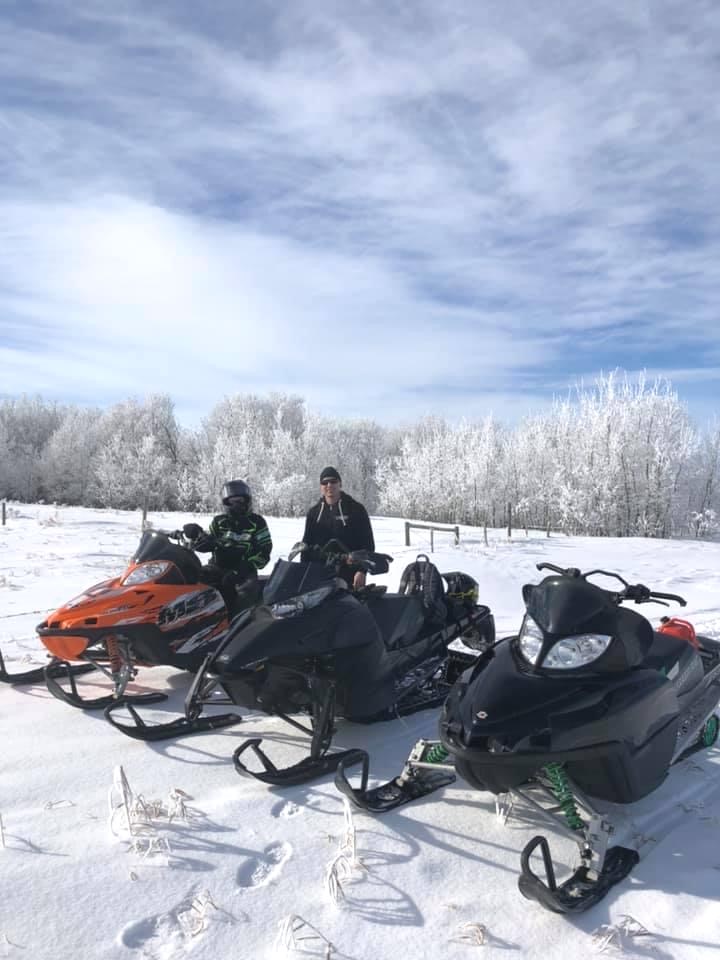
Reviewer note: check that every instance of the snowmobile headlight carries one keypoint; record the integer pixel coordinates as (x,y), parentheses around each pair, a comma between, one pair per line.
(297,605)
(530,639)
(573,652)
(152,570)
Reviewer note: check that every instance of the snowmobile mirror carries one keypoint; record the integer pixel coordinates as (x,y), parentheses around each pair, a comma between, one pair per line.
(297,549)
(381,562)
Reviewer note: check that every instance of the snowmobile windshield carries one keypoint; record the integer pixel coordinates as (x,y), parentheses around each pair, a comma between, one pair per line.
(560,605)
(290,580)
(156,546)
(572,624)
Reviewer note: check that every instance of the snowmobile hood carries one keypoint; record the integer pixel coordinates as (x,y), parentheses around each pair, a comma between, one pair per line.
(77,608)
(114,605)
(501,709)
(340,622)
(498,697)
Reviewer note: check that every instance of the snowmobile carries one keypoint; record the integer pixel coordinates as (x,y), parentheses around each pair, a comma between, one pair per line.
(586,708)
(157,611)
(317,649)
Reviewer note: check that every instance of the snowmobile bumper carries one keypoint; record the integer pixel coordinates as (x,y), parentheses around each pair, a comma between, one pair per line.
(580,891)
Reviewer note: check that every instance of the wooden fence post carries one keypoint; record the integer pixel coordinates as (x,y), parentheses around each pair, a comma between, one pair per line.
(454,530)
(3,513)
(509,519)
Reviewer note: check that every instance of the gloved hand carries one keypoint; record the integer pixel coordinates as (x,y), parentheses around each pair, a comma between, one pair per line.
(193,530)
(204,543)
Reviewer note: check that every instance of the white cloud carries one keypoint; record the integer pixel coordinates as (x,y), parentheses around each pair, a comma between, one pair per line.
(410,197)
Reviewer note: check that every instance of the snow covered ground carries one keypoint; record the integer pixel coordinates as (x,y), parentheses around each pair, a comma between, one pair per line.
(225,862)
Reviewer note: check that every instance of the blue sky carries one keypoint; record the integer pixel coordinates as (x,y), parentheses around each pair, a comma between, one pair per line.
(391,208)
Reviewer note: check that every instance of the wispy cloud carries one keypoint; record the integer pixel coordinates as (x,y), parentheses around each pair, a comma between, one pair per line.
(388,208)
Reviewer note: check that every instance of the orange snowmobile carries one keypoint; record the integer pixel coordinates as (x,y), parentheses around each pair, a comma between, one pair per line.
(157,612)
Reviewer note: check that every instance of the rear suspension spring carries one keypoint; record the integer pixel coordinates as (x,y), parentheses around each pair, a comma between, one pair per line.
(436,754)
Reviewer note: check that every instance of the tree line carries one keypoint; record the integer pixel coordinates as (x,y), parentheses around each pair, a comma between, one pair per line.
(619,458)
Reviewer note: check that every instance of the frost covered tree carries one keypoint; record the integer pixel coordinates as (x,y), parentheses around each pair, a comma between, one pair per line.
(66,464)
(137,462)
(442,472)
(616,458)
(257,439)
(626,445)
(26,425)
(707,470)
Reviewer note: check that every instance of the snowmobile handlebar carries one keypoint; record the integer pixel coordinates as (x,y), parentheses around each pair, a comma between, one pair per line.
(632,591)
(203,542)
(640,594)
(172,534)
(335,553)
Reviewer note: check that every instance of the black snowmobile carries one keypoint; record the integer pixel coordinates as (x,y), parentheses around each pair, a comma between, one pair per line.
(587,706)
(314,647)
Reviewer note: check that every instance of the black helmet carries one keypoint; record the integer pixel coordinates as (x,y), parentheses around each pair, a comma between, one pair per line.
(462,588)
(233,489)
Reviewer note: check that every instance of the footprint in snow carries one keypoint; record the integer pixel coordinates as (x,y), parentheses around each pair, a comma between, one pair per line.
(285,809)
(164,936)
(261,870)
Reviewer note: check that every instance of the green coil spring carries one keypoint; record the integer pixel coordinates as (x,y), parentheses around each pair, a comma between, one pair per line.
(563,793)
(436,754)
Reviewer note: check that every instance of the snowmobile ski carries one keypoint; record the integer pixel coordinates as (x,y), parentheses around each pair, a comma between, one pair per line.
(308,769)
(180,727)
(60,669)
(192,722)
(420,776)
(55,668)
(580,891)
(318,762)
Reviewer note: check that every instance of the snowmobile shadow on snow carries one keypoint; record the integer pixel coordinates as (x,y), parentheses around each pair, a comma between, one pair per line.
(314,650)
(580,714)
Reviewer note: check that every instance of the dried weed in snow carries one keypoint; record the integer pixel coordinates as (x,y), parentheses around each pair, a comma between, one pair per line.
(296,935)
(620,935)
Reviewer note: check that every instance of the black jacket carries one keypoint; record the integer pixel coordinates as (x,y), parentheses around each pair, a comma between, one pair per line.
(347,521)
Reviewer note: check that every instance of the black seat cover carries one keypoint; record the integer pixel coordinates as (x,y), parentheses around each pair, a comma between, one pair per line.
(400,618)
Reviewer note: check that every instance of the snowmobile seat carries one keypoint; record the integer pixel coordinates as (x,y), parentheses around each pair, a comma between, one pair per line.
(677,659)
(400,618)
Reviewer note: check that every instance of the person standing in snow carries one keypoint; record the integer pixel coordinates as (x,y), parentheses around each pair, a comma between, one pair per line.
(239,540)
(338,516)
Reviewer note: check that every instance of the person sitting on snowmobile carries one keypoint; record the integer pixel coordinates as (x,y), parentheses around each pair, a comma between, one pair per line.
(240,543)
(338,516)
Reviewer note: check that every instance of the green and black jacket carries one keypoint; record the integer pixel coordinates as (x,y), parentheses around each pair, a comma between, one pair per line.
(243,543)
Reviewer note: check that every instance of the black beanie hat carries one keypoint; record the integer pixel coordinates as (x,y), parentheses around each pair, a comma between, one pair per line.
(330,473)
